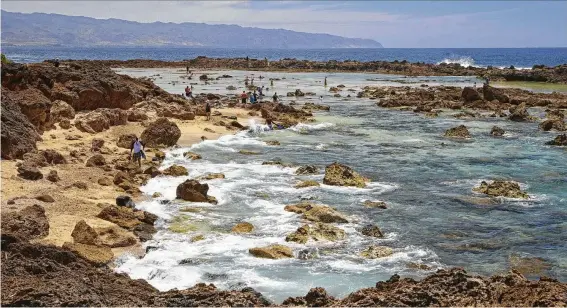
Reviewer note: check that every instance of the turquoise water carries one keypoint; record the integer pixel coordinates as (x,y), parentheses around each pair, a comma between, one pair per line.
(433,217)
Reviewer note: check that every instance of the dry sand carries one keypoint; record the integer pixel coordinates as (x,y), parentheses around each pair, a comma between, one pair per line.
(73,204)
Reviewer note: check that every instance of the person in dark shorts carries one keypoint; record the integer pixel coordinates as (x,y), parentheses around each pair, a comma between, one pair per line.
(275,97)
(137,147)
(243,97)
(208,111)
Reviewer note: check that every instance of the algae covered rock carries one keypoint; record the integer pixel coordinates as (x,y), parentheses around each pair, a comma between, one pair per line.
(507,189)
(497,131)
(374,252)
(243,227)
(274,251)
(560,140)
(191,155)
(317,232)
(460,131)
(340,175)
(372,231)
(309,183)
(307,169)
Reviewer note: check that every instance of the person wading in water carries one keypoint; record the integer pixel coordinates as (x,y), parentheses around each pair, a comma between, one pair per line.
(243,97)
(138,148)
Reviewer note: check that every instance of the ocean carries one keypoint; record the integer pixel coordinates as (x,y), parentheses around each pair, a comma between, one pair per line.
(434,219)
(481,57)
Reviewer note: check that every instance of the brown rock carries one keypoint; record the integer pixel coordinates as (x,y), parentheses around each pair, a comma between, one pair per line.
(104,181)
(161,132)
(176,170)
(501,188)
(52,176)
(272,252)
(192,190)
(372,230)
(125,141)
(497,131)
(97,144)
(26,224)
(470,95)
(560,140)
(122,216)
(460,131)
(340,175)
(114,237)
(309,183)
(374,252)
(243,227)
(84,234)
(19,136)
(29,173)
(375,204)
(45,198)
(60,110)
(98,255)
(317,232)
(191,155)
(96,160)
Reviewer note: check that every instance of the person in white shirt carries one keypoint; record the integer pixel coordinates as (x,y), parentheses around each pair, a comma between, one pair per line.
(138,148)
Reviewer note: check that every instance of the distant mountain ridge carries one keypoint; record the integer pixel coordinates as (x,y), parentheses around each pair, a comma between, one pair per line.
(40,29)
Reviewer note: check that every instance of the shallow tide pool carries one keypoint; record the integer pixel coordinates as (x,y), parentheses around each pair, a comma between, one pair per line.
(433,216)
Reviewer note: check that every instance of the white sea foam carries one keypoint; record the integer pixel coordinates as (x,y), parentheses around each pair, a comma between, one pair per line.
(463,61)
(304,128)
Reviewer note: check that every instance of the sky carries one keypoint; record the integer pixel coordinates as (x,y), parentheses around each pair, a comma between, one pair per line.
(395,24)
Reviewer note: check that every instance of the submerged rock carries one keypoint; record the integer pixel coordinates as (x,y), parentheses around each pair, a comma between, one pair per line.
(211,176)
(549,124)
(316,232)
(308,169)
(497,131)
(374,252)
(497,188)
(460,131)
(340,175)
(272,142)
(243,227)
(274,251)
(309,183)
(191,155)
(560,140)
(371,230)
(375,204)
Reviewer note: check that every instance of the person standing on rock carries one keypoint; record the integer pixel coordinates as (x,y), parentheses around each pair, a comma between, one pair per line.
(138,148)
(208,111)
(243,97)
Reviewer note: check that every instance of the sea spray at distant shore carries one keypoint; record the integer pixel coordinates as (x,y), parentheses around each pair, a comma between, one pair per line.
(463,61)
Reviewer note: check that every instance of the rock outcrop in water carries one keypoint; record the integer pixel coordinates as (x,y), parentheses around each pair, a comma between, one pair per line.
(316,232)
(507,189)
(460,132)
(272,252)
(560,140)
(555,74)
(340,175)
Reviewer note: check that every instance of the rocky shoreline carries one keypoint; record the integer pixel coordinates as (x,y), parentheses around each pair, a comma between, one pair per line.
(66,133)
(538,73)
